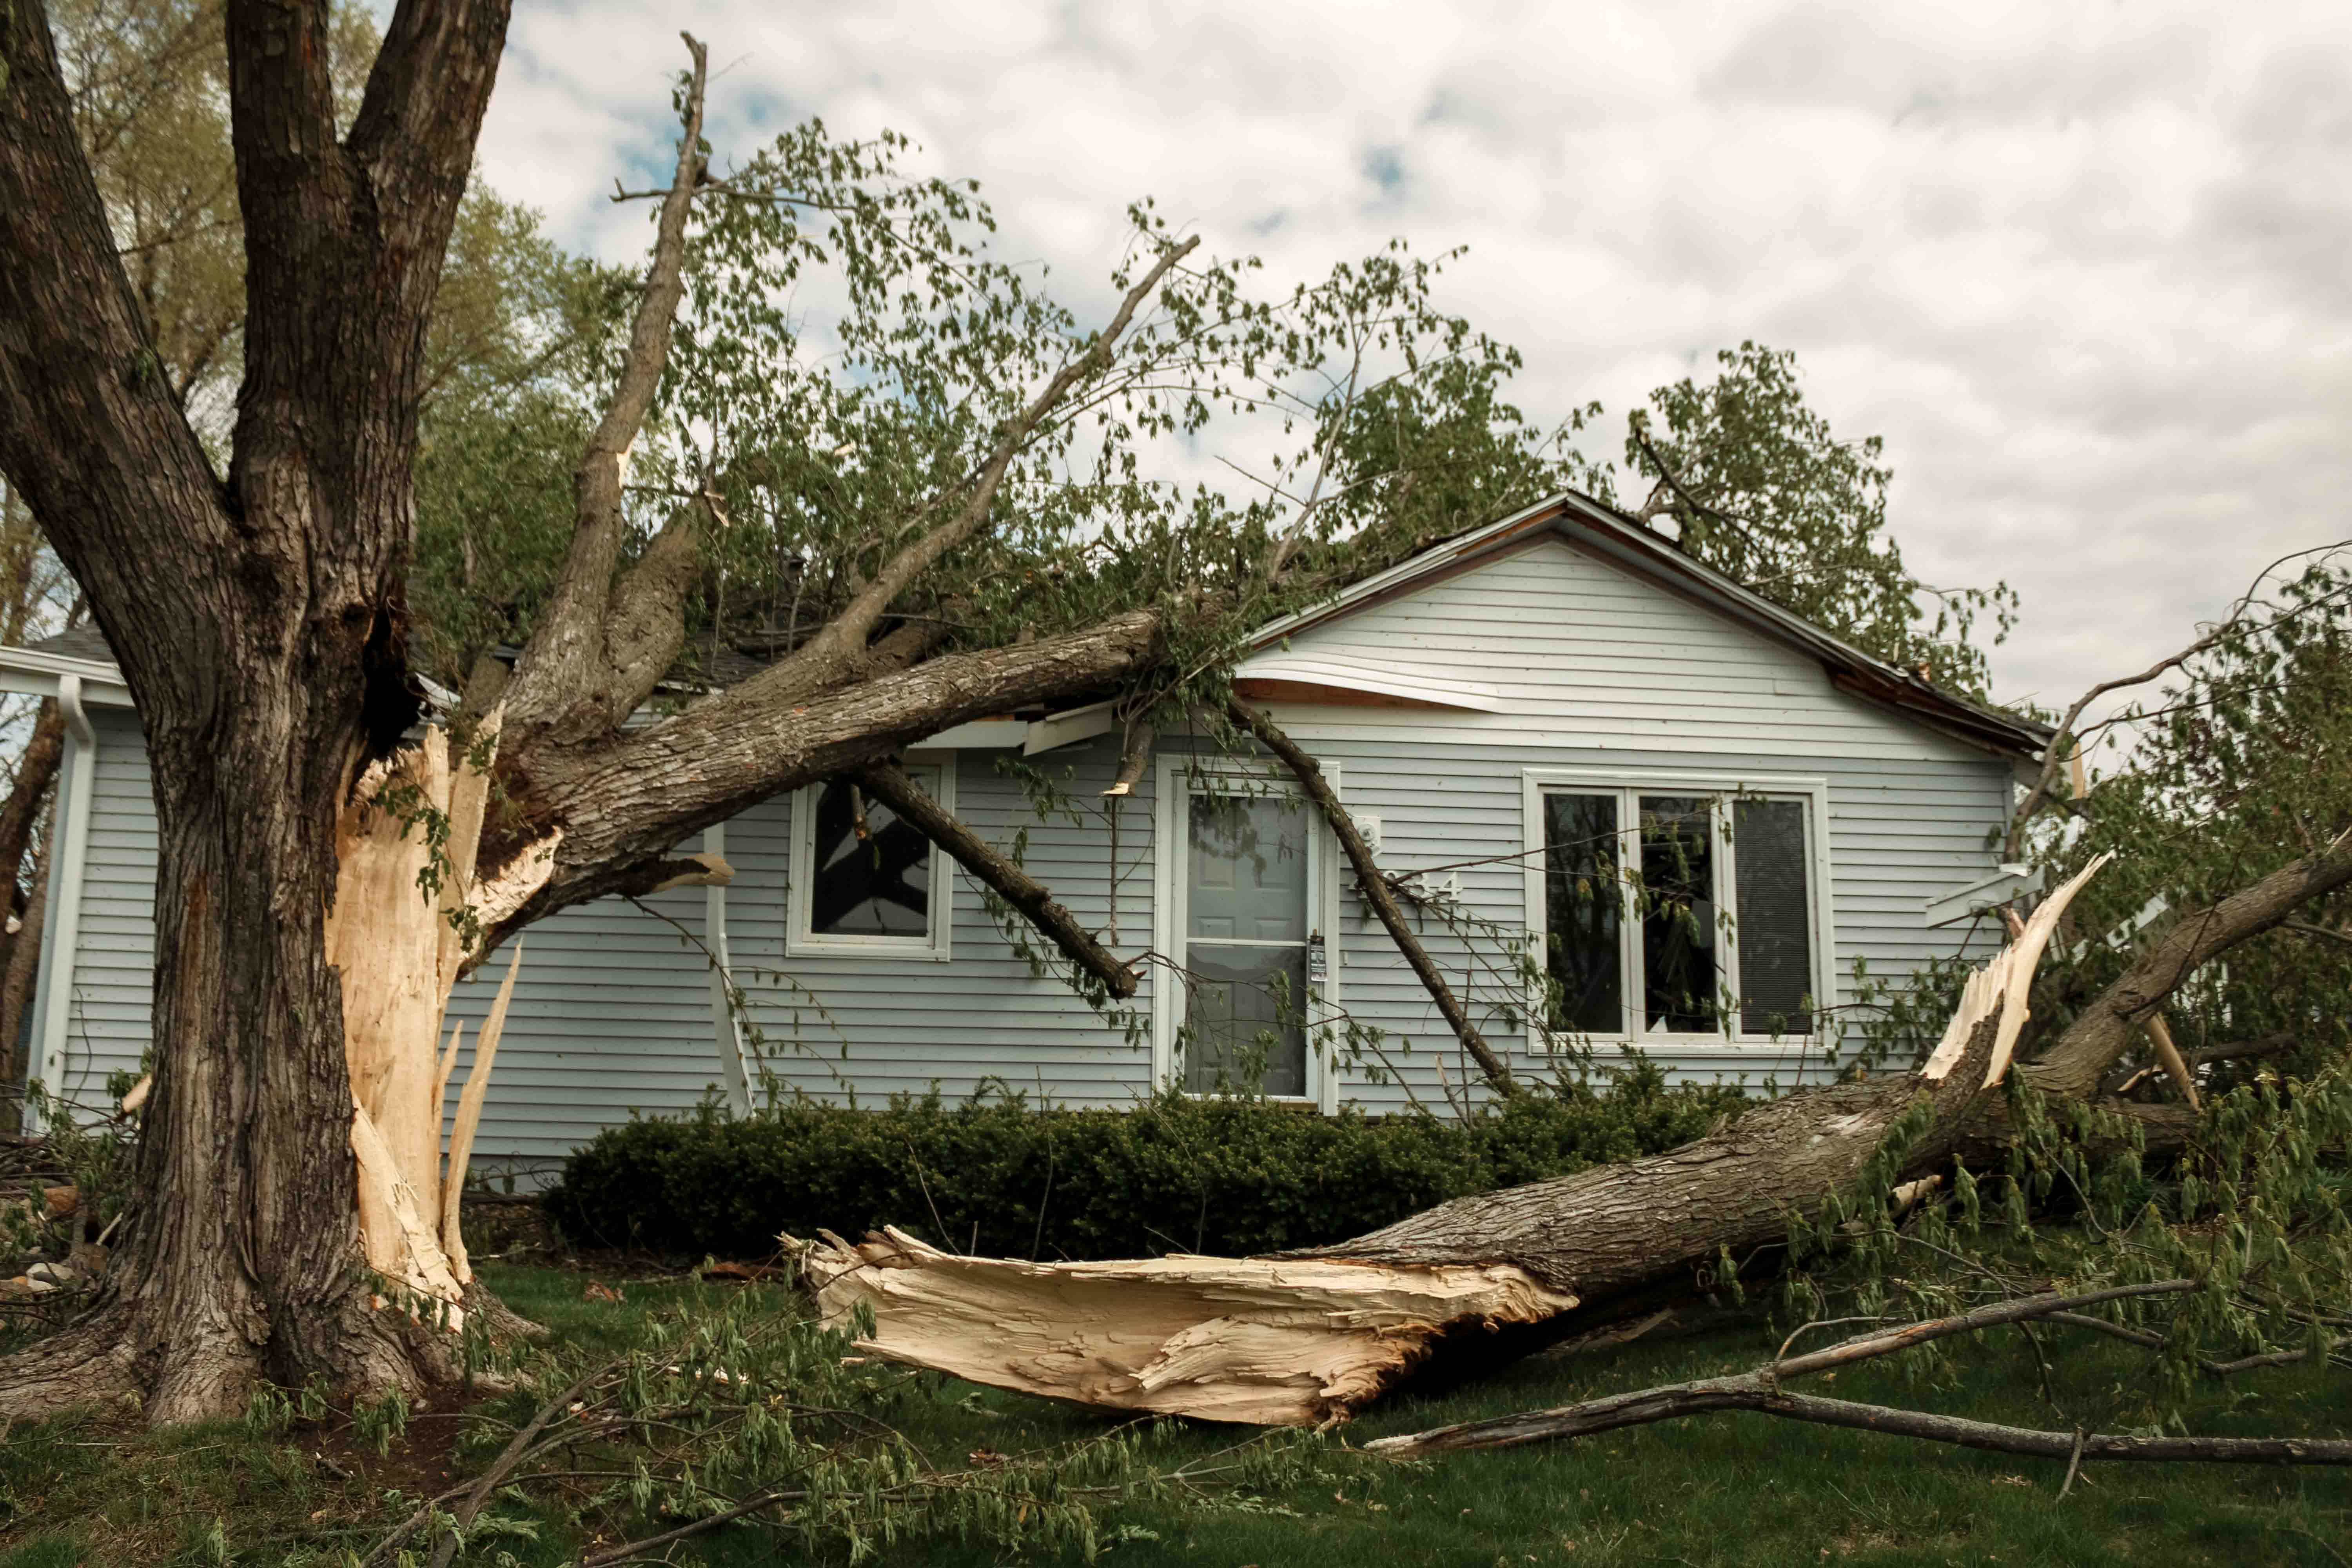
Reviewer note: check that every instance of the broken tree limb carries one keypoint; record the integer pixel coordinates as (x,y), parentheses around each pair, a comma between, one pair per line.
(1285,1339)
(1375,887)
(2159,1034)
(2076,1062)
(1263,1341)
(1762,1390)
(891,784)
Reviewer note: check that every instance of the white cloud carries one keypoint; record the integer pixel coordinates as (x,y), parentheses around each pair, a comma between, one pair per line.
(2084,266)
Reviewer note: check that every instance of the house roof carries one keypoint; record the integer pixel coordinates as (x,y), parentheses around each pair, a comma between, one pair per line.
(84,642)
(1580,520)
(1602,532)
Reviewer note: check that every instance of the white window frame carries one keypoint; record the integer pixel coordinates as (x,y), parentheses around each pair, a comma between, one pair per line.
(1629,784)
(936,774)
(1177,778)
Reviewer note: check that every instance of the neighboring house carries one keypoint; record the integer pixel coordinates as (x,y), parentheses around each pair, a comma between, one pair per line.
(1537,690)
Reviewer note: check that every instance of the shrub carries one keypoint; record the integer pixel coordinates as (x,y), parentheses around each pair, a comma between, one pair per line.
(999,1175)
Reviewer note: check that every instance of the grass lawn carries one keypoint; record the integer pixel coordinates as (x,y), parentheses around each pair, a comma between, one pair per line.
(1734,1488)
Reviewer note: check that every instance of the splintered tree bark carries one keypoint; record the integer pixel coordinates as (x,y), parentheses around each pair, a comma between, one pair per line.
(1309,1337)
(416,821)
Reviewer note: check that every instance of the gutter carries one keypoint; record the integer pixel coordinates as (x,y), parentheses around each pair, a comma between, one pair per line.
(61,935)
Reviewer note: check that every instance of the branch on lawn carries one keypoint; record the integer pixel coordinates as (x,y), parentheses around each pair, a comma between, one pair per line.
(889,783)
(1761,1391)
(1375,887)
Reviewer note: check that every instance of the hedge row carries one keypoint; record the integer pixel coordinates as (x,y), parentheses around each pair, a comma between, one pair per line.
(1005,1178)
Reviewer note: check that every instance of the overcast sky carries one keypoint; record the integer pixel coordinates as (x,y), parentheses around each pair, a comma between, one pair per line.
(2087,267)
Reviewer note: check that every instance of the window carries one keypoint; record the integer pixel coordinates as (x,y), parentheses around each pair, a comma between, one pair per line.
(875,887)
(1248,941)
(1679,908)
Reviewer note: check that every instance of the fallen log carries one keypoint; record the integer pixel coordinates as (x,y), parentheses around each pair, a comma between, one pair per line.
(1308,1338)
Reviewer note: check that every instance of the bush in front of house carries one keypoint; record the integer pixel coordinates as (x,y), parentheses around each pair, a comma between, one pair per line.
(1002,1176)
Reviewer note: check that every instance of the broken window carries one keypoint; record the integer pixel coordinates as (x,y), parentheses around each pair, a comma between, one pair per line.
(864,880)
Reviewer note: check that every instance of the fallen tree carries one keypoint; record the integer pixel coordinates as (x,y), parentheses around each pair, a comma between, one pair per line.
(1309,1337)
(1318,1351)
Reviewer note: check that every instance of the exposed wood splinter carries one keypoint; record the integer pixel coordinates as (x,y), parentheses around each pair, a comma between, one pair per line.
(1272,1342)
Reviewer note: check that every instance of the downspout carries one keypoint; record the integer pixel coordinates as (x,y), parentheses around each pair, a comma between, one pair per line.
(726,1027)
(62,929)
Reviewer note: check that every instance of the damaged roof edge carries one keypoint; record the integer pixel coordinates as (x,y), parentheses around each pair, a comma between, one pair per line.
(1608,533)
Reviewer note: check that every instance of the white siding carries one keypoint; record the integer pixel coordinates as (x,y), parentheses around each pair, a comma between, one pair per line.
(1586,667)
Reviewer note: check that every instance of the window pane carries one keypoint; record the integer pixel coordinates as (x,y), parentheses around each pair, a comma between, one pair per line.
(1248,867)
(1678,961)
(1775,929)
(1247,1018)
(876,886)
(1581,912)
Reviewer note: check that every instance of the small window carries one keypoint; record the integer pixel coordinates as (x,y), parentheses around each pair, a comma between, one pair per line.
(1635,887)
(863,881)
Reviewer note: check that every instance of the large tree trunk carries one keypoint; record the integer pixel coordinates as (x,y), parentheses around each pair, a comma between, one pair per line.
(1244,1340)
(257,621)
(1238,1339)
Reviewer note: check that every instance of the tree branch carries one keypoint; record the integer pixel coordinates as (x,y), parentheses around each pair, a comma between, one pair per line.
(848,630)
(1375,887)
(1760,1390)
(2079,1057)
(889,783)
(565,680)
(89,429)
(627,802)
(2063,742)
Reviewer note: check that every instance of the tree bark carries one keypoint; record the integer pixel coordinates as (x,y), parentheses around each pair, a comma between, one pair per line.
(1315,1354)
(266,663)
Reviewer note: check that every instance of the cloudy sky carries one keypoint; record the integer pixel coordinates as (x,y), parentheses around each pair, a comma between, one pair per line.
(2087,267)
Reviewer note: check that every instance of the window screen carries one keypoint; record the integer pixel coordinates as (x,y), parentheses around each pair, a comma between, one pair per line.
(1775,916)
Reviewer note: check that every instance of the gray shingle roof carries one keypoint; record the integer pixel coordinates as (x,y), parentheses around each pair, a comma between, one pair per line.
(84,641)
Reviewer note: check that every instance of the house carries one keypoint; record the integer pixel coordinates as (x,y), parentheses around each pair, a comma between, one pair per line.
(1562,689)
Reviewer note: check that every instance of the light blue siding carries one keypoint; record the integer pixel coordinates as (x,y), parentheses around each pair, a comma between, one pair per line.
(1591,668)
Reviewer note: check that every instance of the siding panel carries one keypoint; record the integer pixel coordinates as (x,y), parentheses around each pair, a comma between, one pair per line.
(1594,669)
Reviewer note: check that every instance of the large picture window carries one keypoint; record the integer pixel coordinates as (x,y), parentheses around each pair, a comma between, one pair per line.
(864,882)
(1677,910)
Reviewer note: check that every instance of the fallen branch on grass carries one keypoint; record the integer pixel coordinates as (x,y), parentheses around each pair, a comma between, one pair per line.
(1761,1391)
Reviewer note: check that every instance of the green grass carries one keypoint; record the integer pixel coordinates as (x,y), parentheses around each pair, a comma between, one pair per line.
(1743,1489)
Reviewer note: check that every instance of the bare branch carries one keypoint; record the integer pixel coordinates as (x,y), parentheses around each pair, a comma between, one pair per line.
(2062,743)
(1762,1390)
(889,783)
(568,663)
(1375,886)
